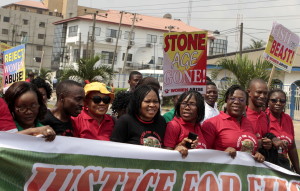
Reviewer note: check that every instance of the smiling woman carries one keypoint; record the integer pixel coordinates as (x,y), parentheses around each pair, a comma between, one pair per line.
(93,122)
(143,125)
(27,108)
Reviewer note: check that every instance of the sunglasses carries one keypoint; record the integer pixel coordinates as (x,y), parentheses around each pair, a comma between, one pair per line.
(98,99)
(278,100)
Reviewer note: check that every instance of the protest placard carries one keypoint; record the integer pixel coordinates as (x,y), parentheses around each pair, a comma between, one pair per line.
(13,65)
(185,58)
(281,48)
(3,47)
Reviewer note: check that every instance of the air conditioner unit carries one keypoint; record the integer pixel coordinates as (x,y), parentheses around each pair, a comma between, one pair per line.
(109,39)
(132,42)
(149,45)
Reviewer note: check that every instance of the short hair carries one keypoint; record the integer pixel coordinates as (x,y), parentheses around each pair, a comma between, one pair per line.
(230,91)
(41,83)
(255,80)
(210,83)
(64,87)
(275,91)
(121,101)
(134,73)
(137,97)
(208,79)
(19,88)
(149,81)
(199,103)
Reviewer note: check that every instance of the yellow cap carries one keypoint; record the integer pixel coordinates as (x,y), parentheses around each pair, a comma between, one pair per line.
(97,87)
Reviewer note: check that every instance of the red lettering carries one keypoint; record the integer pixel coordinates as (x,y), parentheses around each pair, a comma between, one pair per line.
(294,186)
(40,177)
(59,179)
(254,183)
(182,42)
(149,179)
(190,181)
(87,179)
(112,179)
(166,181)
(208,181)
(230,182)
(131,181)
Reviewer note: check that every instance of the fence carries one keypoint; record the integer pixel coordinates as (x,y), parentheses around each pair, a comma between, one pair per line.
(293,101)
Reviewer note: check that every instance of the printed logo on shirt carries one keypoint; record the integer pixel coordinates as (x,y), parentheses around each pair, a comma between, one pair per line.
(246,143)
(150,139)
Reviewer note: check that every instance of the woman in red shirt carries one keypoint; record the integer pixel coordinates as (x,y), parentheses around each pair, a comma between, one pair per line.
(231,130)
(281,125)
(189,111)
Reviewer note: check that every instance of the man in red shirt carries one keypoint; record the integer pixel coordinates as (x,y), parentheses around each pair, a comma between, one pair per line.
(257,92)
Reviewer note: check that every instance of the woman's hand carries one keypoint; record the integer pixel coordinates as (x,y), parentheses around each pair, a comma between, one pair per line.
(259,157)
(266,143)
(182,149)
(279,143)
(47,132)
(231,151)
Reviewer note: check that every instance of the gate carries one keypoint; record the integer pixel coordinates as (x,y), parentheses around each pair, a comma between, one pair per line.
(293,101)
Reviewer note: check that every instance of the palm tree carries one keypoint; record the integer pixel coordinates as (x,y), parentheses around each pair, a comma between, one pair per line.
(244,71)
(45,74)
(88,71)
(255,44)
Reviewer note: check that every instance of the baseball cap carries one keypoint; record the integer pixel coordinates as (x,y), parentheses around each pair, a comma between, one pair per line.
(97,87)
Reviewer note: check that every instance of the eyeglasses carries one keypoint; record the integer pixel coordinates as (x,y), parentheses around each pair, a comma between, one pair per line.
(191,105)
(233,99)
(98,99)
(23,109)
(278,100)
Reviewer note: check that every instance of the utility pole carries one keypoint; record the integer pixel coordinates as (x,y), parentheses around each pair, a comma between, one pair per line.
(241,39)
(128,44)
(87,45)
(116,46)
(93,34)
(79,51)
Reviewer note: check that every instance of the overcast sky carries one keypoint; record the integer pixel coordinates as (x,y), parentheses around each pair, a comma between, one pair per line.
(225,16)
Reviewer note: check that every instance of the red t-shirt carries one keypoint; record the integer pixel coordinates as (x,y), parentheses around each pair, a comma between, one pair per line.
(6,121)
(87,127)
(259,122)
(178,129)
(284,130)
(223,131)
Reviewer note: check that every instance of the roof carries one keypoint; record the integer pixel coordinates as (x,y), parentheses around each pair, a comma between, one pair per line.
(143,21)
(34,4)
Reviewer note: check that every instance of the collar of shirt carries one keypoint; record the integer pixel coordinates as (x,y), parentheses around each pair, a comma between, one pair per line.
(226,116)
(184,123)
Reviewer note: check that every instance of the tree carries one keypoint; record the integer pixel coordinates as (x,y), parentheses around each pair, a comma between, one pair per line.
(45,74)
(255,44)
(244,71)
(87,70)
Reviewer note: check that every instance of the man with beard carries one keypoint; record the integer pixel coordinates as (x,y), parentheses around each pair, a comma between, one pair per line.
(210,97)
(257,92)
(70,96)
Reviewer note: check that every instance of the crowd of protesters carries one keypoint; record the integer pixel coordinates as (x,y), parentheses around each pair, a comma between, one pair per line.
(252,121)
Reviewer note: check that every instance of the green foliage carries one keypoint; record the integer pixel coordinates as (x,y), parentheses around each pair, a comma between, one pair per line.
(244,70)
(88,71)
(119,89)
(45,74)
(255,44)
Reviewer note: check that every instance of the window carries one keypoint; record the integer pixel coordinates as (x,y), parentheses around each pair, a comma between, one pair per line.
(107,57)
(41,36)
(23,34)
(126,35)
(50,13)
(22,9)
(217,46)
(129,57)
(39,48)
(39,11)
(25,22)
(159,61)
(161,39)
(73,31)
(42,24)
(75,55)
(6,19)
(151,38)
(4,31)
(97,31)
(112,33)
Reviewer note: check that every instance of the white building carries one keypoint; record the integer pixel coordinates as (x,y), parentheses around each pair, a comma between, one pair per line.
(146,45)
